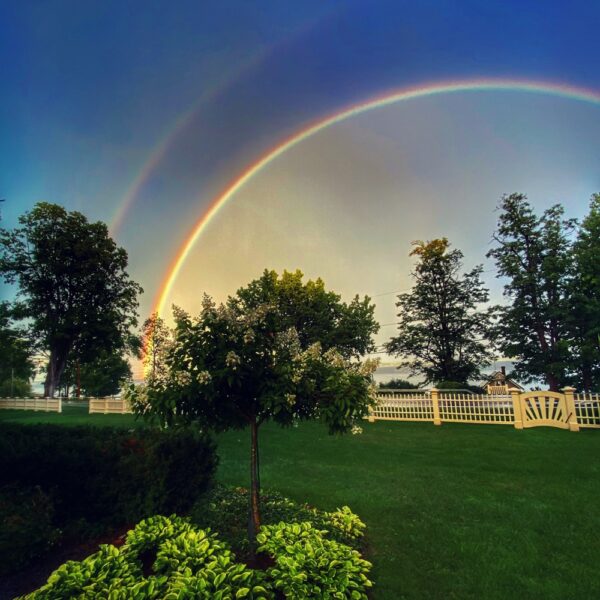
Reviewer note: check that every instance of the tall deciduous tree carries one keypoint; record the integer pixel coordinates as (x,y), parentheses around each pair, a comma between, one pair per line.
(583,316)
(441,328)
(259,357)
(535,254)
(72,278)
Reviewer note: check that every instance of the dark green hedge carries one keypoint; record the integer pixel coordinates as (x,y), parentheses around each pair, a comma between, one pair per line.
(97,478)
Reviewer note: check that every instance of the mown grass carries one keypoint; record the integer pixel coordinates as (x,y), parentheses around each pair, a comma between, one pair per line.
(458,511)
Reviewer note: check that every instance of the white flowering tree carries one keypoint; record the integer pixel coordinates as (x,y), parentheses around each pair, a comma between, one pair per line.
(250,360)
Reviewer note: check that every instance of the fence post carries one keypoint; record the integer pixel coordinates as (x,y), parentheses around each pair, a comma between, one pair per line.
(59,404)
(516,400)
(435,397)
(569,393)
(371,415)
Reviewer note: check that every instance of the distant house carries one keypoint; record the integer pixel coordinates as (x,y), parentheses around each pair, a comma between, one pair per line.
(498,383)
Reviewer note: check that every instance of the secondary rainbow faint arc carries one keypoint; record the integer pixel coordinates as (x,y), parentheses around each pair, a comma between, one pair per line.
(432,89)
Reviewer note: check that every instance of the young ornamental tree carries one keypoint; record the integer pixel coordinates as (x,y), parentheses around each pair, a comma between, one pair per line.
(258,357)
(73,284)
(441,327)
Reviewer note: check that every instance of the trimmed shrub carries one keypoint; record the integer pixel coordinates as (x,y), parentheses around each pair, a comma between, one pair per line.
(99,478)
(310,566)
(26,529)
(111,476)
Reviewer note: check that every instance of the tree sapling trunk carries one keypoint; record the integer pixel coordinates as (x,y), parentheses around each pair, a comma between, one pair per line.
(254,519)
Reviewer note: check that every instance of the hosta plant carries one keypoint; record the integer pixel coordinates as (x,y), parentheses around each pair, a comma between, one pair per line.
(308,565)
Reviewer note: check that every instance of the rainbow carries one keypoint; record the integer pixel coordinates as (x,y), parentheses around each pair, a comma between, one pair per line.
(162,148)
(390,97)
(179,125)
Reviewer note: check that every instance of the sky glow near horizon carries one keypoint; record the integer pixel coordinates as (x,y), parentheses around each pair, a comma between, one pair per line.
(142,119)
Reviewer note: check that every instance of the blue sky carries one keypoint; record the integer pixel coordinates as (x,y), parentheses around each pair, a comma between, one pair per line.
(89,89)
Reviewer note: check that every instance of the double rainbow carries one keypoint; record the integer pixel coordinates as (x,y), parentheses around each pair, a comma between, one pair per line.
(433,89)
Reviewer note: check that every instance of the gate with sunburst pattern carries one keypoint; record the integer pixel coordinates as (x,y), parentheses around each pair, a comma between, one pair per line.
(548,409)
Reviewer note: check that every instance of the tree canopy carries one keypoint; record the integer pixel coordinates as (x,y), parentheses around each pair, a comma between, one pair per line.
(16,358)
(102,376)
(157,339)
(534,254)
(441,328)
(269,353)
(583,306)
(73,283)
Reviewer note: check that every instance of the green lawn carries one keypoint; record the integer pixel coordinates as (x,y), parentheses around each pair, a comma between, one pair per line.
(458,511)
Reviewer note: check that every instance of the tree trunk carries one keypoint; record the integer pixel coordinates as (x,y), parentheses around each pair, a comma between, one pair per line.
(254,520)
(553,383)
(586,376)
(78,381)
(56,366)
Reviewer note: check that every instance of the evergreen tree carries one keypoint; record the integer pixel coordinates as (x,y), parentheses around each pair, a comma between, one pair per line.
(441,328)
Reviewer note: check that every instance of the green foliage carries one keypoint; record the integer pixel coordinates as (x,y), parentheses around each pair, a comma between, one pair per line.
(26,529)
(308,565)
(441,326)
(103,375)
(98,478)
(225,510)
(189,563)
(316,314)
(458,385)
(105,574)
(157,341)
(583,316)
(265,356)
(169,558)
(242,363)
(150,533)
(15,388)
(16,358)
(398,384)
(73,282)
(535,254)
(344,520)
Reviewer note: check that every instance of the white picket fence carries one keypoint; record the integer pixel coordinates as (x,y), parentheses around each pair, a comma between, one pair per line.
(109,406)
(567,410)
(39,404)
(587,408)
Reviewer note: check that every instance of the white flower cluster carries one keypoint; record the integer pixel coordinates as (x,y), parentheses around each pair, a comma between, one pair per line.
(203,377)
(183,378)
(289,342)
(356,430)
(368,366)
(232,360)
